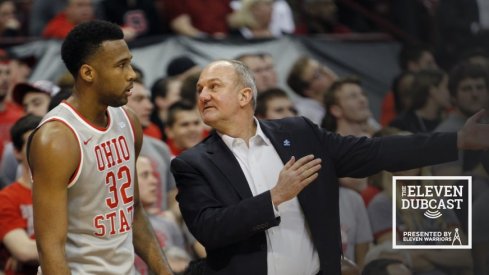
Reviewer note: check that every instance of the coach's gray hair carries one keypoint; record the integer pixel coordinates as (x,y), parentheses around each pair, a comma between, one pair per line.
(245,77)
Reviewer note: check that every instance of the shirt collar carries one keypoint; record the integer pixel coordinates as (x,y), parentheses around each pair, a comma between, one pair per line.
(259,135)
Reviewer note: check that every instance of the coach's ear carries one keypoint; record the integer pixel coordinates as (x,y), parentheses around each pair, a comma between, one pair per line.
(245,96)
(87,73)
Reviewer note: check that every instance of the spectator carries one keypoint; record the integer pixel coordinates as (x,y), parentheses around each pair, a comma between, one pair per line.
(199,18)
(310,80)
(20,68)
(356,234)
(252,19)
(347,108)
(137,18)
(261,64)
(184,127)
(469,91)
(282,21)
(416,57)
(145,109)
(400,96)
(274,104)
(348,113)
(42,12)
(16,215)
(76,12)
(156,150)
(430,100)
(167,232)
(412,58)
(9,24)
(35,97)
(9,112)
(164,92)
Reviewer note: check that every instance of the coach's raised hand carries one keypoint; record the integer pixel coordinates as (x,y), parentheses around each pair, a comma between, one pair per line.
(475,134)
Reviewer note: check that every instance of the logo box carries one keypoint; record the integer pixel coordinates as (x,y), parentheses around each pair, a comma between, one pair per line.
(432,198)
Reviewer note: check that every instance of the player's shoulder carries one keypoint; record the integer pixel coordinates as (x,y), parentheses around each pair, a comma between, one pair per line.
(53,130)
(53,137)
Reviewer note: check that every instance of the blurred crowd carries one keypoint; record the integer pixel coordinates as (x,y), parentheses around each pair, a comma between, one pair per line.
(444,80)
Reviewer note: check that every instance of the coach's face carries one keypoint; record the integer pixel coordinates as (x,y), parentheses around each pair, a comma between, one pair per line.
(219,94)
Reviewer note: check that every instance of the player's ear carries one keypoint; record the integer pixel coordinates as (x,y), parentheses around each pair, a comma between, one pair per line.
(87,73)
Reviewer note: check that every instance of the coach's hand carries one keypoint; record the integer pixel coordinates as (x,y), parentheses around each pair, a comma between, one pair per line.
(474,135)
(294,177)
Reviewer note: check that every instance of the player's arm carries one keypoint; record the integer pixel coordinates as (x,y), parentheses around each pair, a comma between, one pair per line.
(53,155)
(20,245)
(145,243)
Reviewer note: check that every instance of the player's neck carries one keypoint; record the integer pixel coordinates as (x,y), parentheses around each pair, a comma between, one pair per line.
(94,113)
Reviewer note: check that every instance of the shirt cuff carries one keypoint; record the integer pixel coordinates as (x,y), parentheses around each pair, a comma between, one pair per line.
(275,210)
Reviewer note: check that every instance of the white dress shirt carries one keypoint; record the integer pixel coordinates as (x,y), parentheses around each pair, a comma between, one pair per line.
(289,247)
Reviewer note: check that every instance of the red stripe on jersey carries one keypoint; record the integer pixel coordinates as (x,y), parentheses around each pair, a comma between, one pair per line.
(103,129)
(126,114)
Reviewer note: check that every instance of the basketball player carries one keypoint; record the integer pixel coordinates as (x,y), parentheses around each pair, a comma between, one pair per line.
(88,218)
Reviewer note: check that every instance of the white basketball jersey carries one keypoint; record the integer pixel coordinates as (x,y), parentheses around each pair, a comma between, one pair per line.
(100,194)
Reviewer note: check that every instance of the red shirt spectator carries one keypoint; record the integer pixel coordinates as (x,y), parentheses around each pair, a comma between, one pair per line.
(16,213)
(207,16)
(152,130)
(77,11)
(8,116)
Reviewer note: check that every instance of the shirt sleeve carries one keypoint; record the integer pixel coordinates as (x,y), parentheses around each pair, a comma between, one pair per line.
(10,216)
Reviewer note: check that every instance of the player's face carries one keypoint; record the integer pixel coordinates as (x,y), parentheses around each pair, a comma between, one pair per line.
(113,74)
